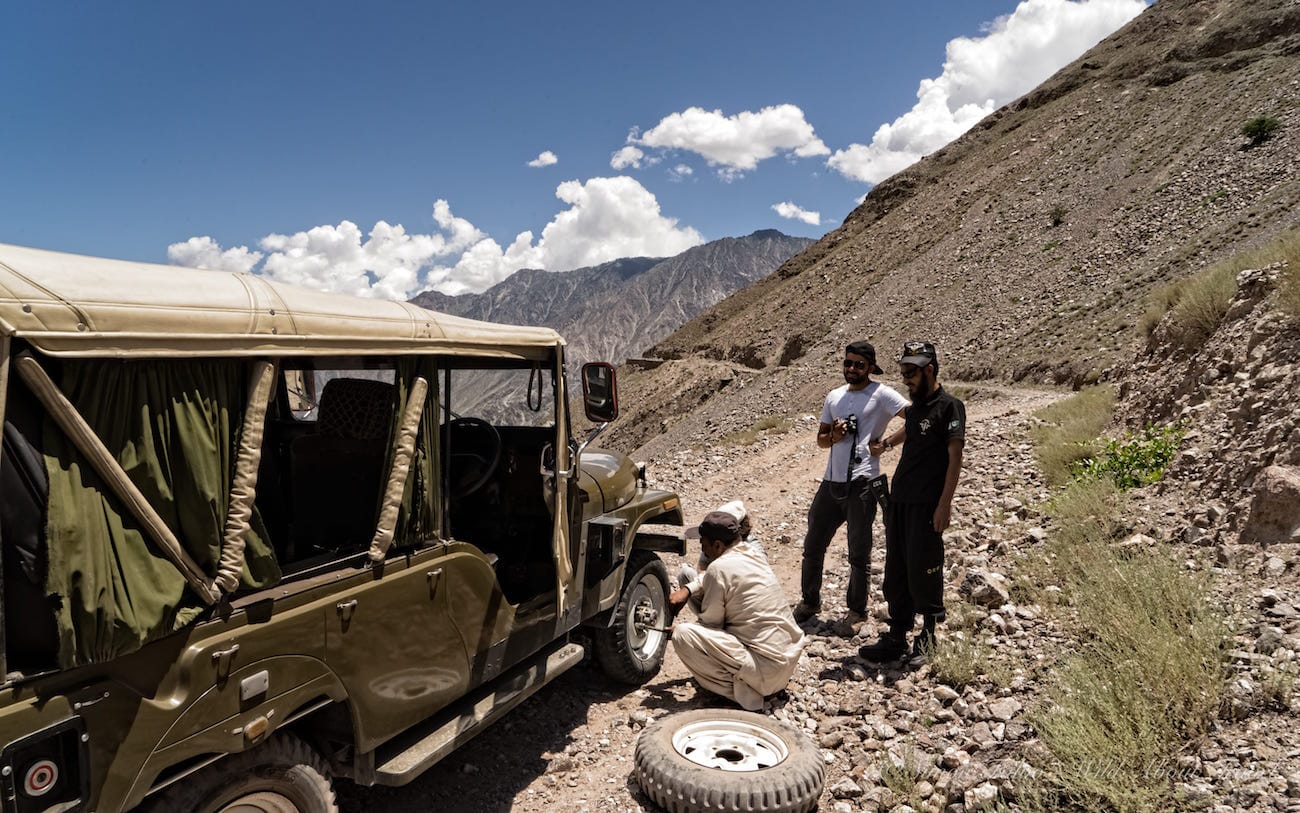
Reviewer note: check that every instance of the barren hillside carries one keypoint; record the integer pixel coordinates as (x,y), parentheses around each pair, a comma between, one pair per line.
(1026,248)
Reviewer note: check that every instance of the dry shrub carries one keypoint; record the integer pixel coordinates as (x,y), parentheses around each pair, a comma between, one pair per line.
(769,424)
(1146,675)
(1202,303)
(1198,303)
(961,658)
(1069,431)
(1144,672)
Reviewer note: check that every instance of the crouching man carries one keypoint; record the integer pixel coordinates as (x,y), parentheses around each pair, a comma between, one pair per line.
(745,644)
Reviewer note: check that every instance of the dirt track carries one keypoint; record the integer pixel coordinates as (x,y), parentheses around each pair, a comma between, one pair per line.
(570,747)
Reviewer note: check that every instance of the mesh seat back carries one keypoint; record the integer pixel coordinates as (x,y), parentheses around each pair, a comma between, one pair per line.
(338,471)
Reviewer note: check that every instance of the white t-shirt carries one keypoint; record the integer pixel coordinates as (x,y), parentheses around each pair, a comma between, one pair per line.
(874,405)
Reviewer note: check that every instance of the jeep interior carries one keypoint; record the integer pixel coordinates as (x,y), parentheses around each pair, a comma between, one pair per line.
(323,466)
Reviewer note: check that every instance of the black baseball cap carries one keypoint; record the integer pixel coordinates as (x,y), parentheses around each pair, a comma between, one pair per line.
(919,353)
(868,352)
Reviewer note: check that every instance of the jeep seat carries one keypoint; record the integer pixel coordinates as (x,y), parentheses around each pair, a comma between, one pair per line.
(337,472)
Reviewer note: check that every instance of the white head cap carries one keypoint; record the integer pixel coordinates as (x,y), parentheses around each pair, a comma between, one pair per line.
(736,508)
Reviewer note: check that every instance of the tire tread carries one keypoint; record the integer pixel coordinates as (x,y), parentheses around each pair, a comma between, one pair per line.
(680,786)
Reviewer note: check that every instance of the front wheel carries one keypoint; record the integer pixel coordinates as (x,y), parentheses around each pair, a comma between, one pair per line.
(710,760)
(282,776)
(631,649)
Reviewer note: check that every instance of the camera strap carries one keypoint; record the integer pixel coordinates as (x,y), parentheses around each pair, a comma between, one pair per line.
(854,459)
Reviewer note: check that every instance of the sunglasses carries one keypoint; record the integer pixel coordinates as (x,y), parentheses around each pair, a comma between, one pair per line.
(857,365)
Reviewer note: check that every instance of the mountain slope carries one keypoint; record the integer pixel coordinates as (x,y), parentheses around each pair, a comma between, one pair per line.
(1026,248)
(617,309)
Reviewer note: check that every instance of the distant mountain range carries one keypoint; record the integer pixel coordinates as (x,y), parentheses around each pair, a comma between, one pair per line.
(614,311)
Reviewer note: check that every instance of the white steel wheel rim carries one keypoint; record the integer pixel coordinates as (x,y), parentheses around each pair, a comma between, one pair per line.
(730,745)
(645,610)
(261,802)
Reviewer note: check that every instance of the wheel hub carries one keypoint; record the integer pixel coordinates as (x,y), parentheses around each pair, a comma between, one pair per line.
(729,745)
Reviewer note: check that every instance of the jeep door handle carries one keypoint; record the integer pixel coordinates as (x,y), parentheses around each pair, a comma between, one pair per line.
(345,609)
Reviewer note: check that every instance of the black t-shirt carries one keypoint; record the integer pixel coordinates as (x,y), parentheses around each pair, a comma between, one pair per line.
(924,462)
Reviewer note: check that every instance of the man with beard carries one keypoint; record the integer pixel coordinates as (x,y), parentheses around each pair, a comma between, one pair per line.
(852,415)
(920,507)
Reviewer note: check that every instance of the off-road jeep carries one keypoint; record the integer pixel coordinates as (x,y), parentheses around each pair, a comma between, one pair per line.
(256,537)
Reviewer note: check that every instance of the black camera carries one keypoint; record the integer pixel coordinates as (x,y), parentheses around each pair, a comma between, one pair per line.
(851,424)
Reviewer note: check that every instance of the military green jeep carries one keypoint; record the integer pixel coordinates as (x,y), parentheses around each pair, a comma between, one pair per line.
(257,538)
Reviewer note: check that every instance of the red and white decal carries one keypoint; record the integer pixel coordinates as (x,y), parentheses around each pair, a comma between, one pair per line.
(41,778)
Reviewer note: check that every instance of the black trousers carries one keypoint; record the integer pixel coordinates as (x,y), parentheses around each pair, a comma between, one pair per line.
(833,505)
(913,565)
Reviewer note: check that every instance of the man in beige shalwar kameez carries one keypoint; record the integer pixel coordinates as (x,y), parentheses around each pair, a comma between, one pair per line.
(746,644)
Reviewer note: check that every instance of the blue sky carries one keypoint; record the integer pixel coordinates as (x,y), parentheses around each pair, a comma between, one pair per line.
(381,148)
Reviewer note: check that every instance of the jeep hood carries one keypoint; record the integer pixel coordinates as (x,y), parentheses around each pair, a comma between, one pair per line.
(608,478)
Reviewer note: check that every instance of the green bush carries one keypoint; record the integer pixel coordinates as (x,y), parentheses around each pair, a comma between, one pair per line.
(1134,461)
(1260,129)
(1057,215)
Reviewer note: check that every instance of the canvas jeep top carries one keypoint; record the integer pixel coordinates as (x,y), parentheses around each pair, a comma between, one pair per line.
(257,537)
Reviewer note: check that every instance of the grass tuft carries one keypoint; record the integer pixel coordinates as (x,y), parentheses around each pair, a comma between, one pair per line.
(902,769)
(1069,430)
(1197,304)
(1288,284)
(768,424)
(1202,303)
(960,658)
(1145,674)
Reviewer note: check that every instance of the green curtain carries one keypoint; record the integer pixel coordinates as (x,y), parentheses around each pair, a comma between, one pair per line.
(174,427)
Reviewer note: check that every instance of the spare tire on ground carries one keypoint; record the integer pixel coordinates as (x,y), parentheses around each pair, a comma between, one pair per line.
(728,760)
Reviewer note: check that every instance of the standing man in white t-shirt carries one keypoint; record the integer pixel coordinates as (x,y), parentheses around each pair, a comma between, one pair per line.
(853,416)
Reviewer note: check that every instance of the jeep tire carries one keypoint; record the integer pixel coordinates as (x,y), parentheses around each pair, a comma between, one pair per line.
(627,651)
(281,775)
(728,760)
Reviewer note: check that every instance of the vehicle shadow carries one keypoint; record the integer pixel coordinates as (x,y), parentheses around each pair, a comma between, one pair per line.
(489,771)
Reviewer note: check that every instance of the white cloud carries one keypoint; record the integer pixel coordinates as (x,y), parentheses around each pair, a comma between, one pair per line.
(680,173)
(203,252)
(545,159)
(981,74)
(335,258)
(734,143)
(629,156)
(790,211)
(607,218)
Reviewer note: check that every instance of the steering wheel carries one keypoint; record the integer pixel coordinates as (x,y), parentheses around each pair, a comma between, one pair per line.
(484,459)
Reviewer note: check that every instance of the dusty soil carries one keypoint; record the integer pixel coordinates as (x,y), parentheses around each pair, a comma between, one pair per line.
(571,746)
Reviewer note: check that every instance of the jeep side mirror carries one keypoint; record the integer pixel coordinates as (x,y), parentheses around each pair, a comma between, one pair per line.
(599,391)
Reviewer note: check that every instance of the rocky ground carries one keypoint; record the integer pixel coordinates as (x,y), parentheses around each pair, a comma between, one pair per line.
(570,748)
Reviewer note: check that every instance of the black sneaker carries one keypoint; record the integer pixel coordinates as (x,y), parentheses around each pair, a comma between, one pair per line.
(889,647)
(923,644)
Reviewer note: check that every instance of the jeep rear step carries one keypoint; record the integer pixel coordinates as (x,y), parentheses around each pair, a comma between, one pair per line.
(449,730)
